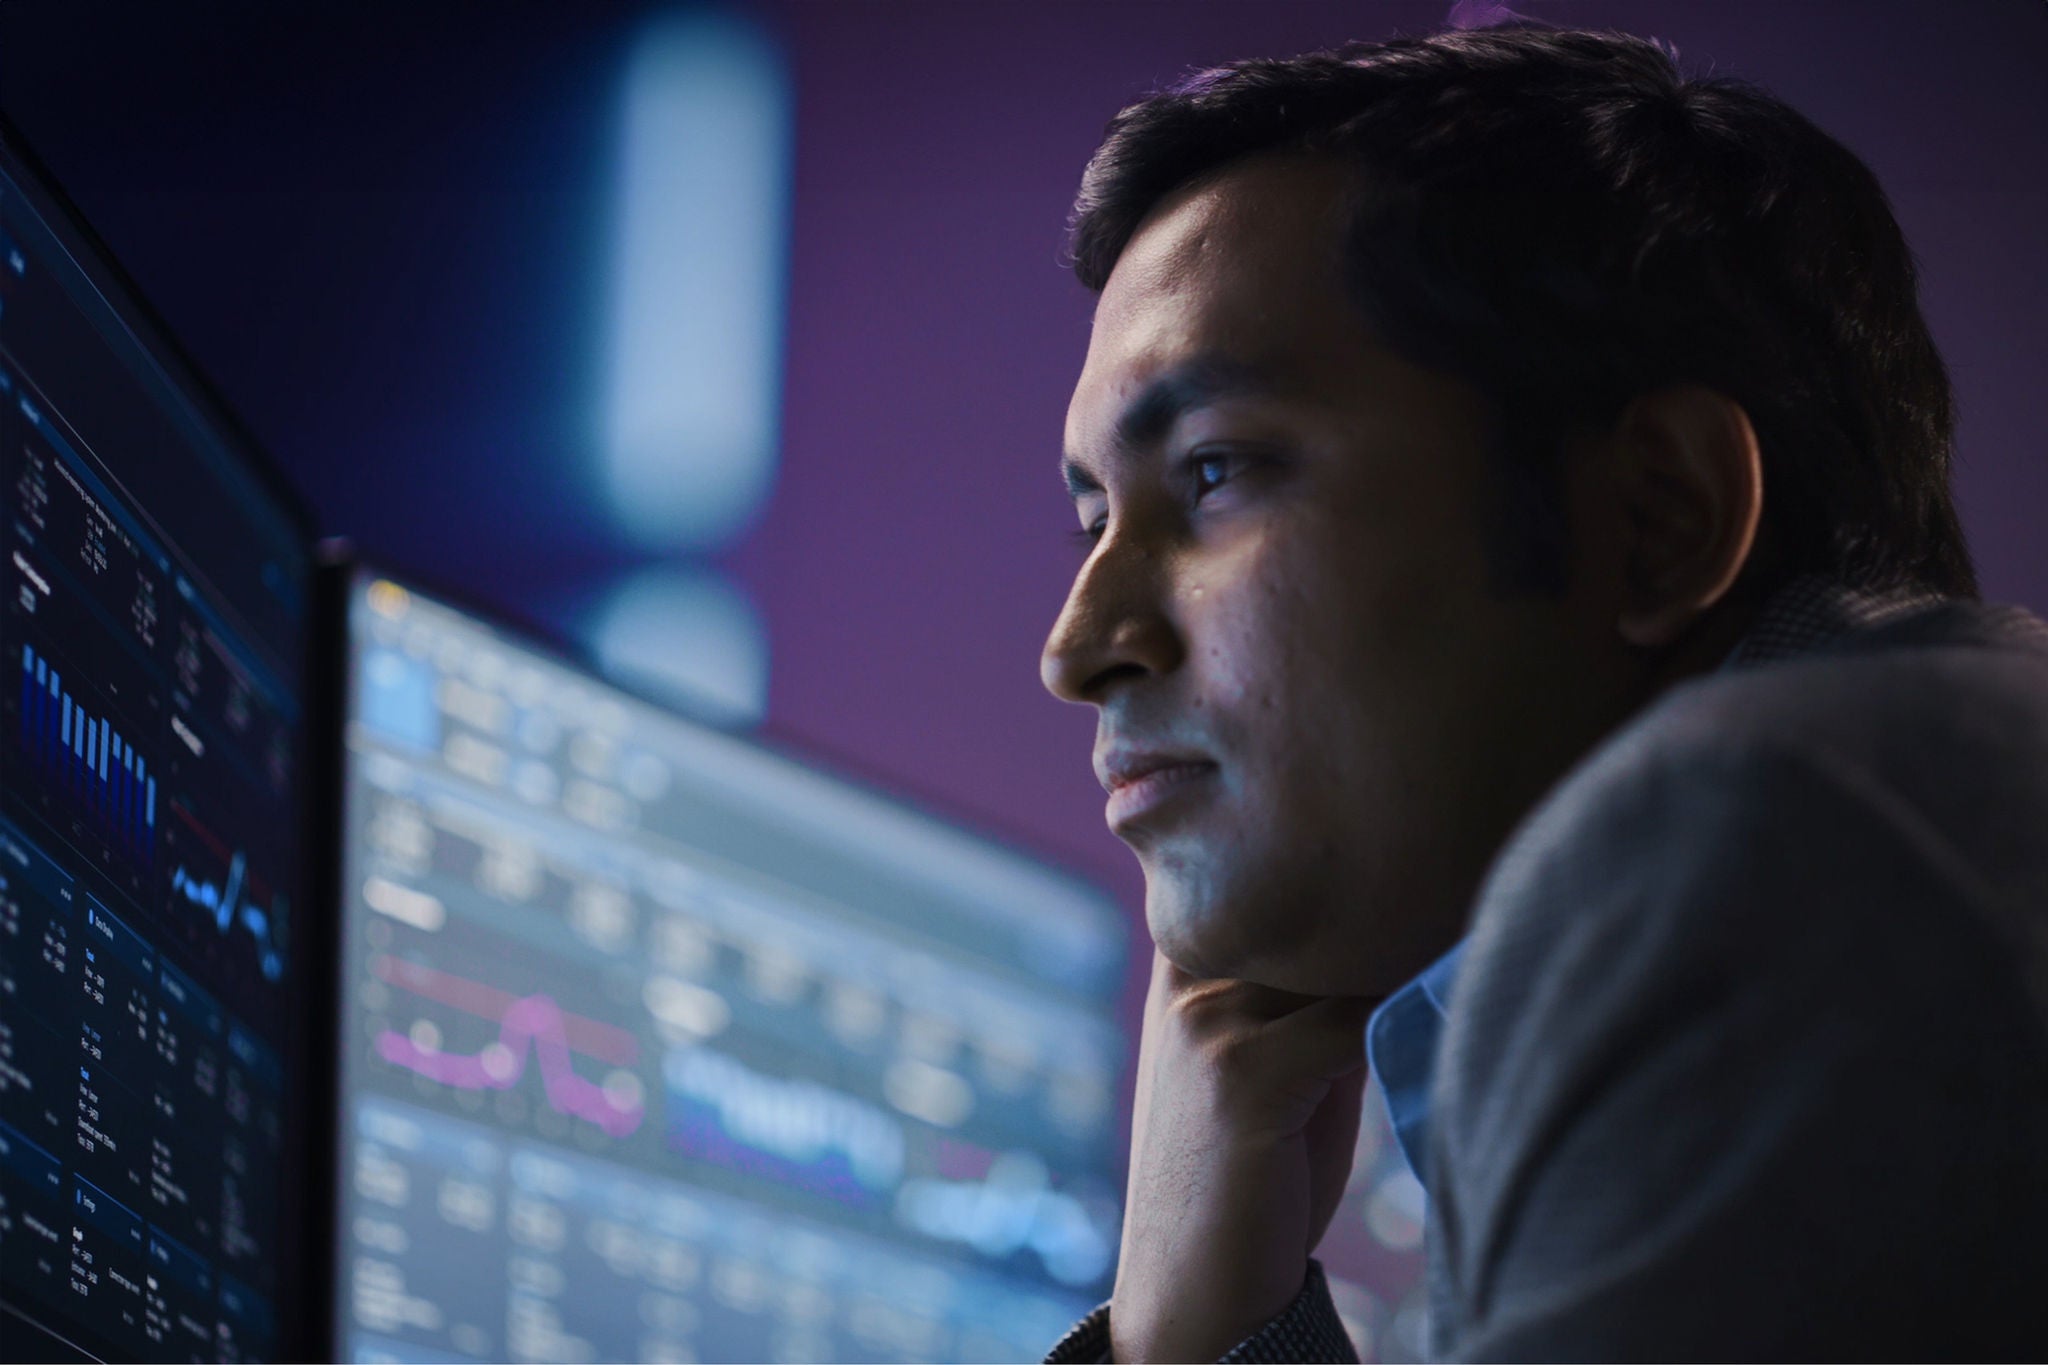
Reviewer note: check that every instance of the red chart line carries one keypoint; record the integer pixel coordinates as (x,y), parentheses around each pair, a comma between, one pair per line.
(593,1039)
(259,890)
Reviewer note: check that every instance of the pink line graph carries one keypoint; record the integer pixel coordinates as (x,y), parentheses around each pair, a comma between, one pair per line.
(587,1036)
(526,1023)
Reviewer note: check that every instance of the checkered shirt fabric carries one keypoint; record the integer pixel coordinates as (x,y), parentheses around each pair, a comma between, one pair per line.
(1307,1329)
(1811,611)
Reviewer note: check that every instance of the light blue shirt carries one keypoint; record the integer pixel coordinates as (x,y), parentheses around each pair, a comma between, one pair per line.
(1400,1046)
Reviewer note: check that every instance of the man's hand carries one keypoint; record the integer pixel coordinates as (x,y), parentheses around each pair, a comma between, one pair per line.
(1241,1140)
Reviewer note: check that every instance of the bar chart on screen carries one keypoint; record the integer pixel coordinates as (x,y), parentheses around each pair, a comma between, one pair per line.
(83,751)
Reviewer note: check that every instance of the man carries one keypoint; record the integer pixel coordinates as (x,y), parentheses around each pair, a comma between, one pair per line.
(1522,595)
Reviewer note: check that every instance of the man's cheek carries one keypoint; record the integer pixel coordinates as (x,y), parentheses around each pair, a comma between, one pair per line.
(1251,633)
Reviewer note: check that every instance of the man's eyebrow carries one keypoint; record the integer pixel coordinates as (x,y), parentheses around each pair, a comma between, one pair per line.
(1189,385)
(1170,396)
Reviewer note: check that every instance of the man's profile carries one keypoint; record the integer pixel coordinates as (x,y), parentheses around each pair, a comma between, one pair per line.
(1533,645)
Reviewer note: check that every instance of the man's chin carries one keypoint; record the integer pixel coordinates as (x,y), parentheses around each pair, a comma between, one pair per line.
(1202,939)
(1244,939)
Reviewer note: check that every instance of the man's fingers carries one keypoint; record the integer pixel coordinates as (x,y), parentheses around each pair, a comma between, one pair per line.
(1157,998)
(1246,1116)
(1325,1040)
(1332,1140)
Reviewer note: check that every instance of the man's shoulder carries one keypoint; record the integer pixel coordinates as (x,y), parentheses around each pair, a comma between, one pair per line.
(1944,685)
(1759,804)
(1939,722)
(1777,946)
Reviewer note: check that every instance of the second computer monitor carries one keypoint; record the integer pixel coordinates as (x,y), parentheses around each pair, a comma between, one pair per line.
(658,1045)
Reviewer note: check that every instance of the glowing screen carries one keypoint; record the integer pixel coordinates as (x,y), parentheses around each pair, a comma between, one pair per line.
(658,1045)
(153,636)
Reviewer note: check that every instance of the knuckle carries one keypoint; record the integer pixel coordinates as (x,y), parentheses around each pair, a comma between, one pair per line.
(1233,1055)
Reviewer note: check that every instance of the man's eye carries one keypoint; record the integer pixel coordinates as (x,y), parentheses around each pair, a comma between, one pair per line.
(1210,472)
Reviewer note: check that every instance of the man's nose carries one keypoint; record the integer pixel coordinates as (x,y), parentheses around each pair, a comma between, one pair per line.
(1115,626)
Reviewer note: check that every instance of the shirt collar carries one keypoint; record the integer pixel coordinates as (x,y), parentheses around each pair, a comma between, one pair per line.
(1401,1037)
(1400,1047)
(1812,611)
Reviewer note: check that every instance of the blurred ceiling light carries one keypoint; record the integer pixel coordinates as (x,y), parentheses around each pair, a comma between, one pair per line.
(687,637)
(692,370)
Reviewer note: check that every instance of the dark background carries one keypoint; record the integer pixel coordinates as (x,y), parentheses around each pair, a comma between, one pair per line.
(375,225)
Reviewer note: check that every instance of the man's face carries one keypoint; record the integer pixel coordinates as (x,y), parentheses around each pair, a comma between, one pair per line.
(1318,717)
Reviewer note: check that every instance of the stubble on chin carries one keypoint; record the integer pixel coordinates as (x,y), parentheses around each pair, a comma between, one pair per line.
(1203,922)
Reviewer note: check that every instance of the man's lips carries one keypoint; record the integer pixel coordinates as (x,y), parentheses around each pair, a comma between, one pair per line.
(1139,781)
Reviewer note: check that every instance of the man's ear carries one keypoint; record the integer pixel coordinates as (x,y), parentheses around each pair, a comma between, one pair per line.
(1690,487)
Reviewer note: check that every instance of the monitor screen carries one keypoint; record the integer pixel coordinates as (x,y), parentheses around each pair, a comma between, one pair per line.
(658,1045)
(154,632)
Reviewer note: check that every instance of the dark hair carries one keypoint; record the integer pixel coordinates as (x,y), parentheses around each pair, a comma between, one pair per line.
(1565,221)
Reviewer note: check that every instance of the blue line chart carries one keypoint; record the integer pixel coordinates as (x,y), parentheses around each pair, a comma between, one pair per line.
(221,905)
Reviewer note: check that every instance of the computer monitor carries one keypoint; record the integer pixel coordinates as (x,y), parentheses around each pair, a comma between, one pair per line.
(661,1045)
(154,629)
